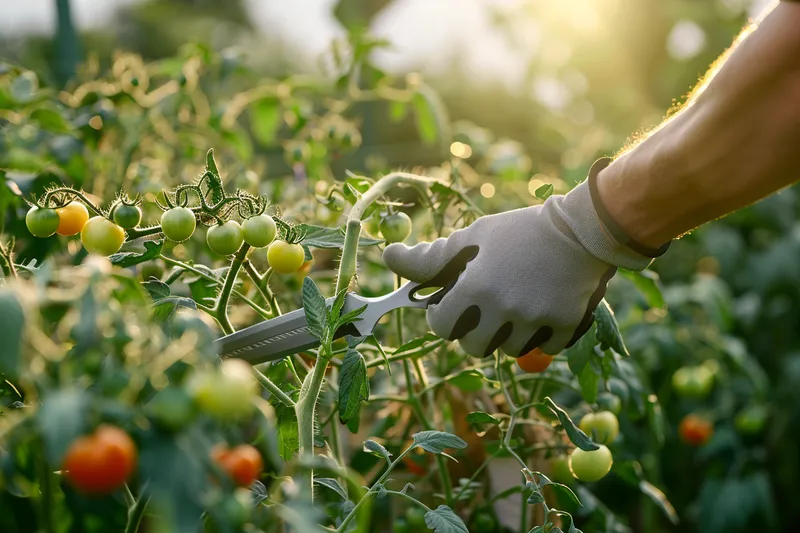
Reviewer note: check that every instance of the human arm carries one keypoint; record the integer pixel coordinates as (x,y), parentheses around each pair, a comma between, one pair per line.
(736,141)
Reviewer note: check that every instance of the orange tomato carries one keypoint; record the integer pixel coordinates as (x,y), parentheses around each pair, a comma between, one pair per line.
(71,218)
(695,430)
(242,463)
(534,361)
(101,462)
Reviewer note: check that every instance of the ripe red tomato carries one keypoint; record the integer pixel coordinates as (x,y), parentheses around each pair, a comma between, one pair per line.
(695,430)
(534,361)
(101,462)
(602,426)
(242,463)
(72,217)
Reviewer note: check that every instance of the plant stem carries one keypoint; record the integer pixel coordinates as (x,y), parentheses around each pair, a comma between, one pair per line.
(46,488)
(347,266)
(135,514)
(273,389)
(305,409)
(174,262)
(224,296)
(7,254)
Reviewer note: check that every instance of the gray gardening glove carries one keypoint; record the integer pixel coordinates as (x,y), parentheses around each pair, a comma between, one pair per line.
(523,279)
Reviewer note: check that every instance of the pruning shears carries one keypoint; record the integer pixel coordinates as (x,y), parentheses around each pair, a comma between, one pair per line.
(289,334)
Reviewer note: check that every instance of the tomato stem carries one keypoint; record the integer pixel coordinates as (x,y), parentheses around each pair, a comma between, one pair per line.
(225,295)
(135,514)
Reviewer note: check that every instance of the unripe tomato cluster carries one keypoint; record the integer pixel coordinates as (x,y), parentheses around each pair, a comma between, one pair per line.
(99,235)
(394,227)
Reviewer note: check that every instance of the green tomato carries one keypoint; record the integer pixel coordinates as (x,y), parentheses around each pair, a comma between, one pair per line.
(285,258)
(484,522)
(609,402)
(751,420)
(259,231)
(171,409)
(416,518)
(225,393)
(395,227)
(101,236)
(693,381)
(178,224)
(591,466)
(225,239)
(127,216)
(150,269)
(42,222)
(602,427)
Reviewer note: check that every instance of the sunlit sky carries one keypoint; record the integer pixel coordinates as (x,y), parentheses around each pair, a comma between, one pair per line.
(424,32)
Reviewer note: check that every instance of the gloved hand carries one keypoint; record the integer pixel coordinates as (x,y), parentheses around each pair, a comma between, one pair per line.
(526,278)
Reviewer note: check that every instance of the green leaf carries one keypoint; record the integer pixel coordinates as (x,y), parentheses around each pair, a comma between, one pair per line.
(655,419)
(164,308)
(157,289)
(353,385)
(444,520)
(376,448)
(437,441)
(649,285)
(353,342)
(566,491)
(62,419)
(288,440)
(211,163)
(11,325)
(330,238)
(315,308)
(607,332)
(468,380)
(397,110)
(51,120)
(588,379)
(535,497)
(24,87)
(332,484)
(350,316)
(415,343)
(660,499)
(544,192)
(338,303)
(432,121)
(129,259)
(579,354)
(479,417)
(578,437)
(265,118)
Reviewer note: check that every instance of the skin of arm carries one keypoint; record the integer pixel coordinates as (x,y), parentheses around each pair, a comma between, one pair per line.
(736,141)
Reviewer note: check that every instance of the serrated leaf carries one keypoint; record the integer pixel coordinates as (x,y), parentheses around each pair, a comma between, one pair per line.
(376,448)
(437,441)
(353,342)
(350,317)
(332,484)
(307,255)
(578,437)
(353,385)
(660,499)
(157,289)
(11,327)
(164,308)
(315,309)
(544,192)
(607,332)
(129,259)
(588,379)
(330,238)
(336,307)
(444,520)
(479,417)
(649,285)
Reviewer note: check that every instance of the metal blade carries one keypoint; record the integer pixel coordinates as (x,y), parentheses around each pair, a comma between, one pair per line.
(269,340)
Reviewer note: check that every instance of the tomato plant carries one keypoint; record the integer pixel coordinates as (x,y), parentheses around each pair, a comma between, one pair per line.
(100,462)
(591,465)
(395,227)
(101,236)
(259,231)
(225,239)
(285,257)
(42,222)
(72,218)
(602,426)
(178,224)
(126,216)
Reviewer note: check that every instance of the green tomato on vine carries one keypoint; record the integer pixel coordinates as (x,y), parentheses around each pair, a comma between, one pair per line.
(42,222)
(602,426)
(178,224)
(395,227)
(259,231)
(127,216)
(101,236)
(284,257)
(591,466)
(225,239)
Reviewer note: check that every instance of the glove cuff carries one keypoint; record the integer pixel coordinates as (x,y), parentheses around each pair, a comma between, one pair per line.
(602,237)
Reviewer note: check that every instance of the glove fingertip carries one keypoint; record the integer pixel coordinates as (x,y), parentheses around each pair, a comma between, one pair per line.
(401,259)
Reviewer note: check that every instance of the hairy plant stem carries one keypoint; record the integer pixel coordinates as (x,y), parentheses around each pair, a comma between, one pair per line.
(221,307)
(305,409)
(135,514)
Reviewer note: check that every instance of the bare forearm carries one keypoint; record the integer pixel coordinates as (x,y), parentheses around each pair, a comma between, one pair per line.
(737,141)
